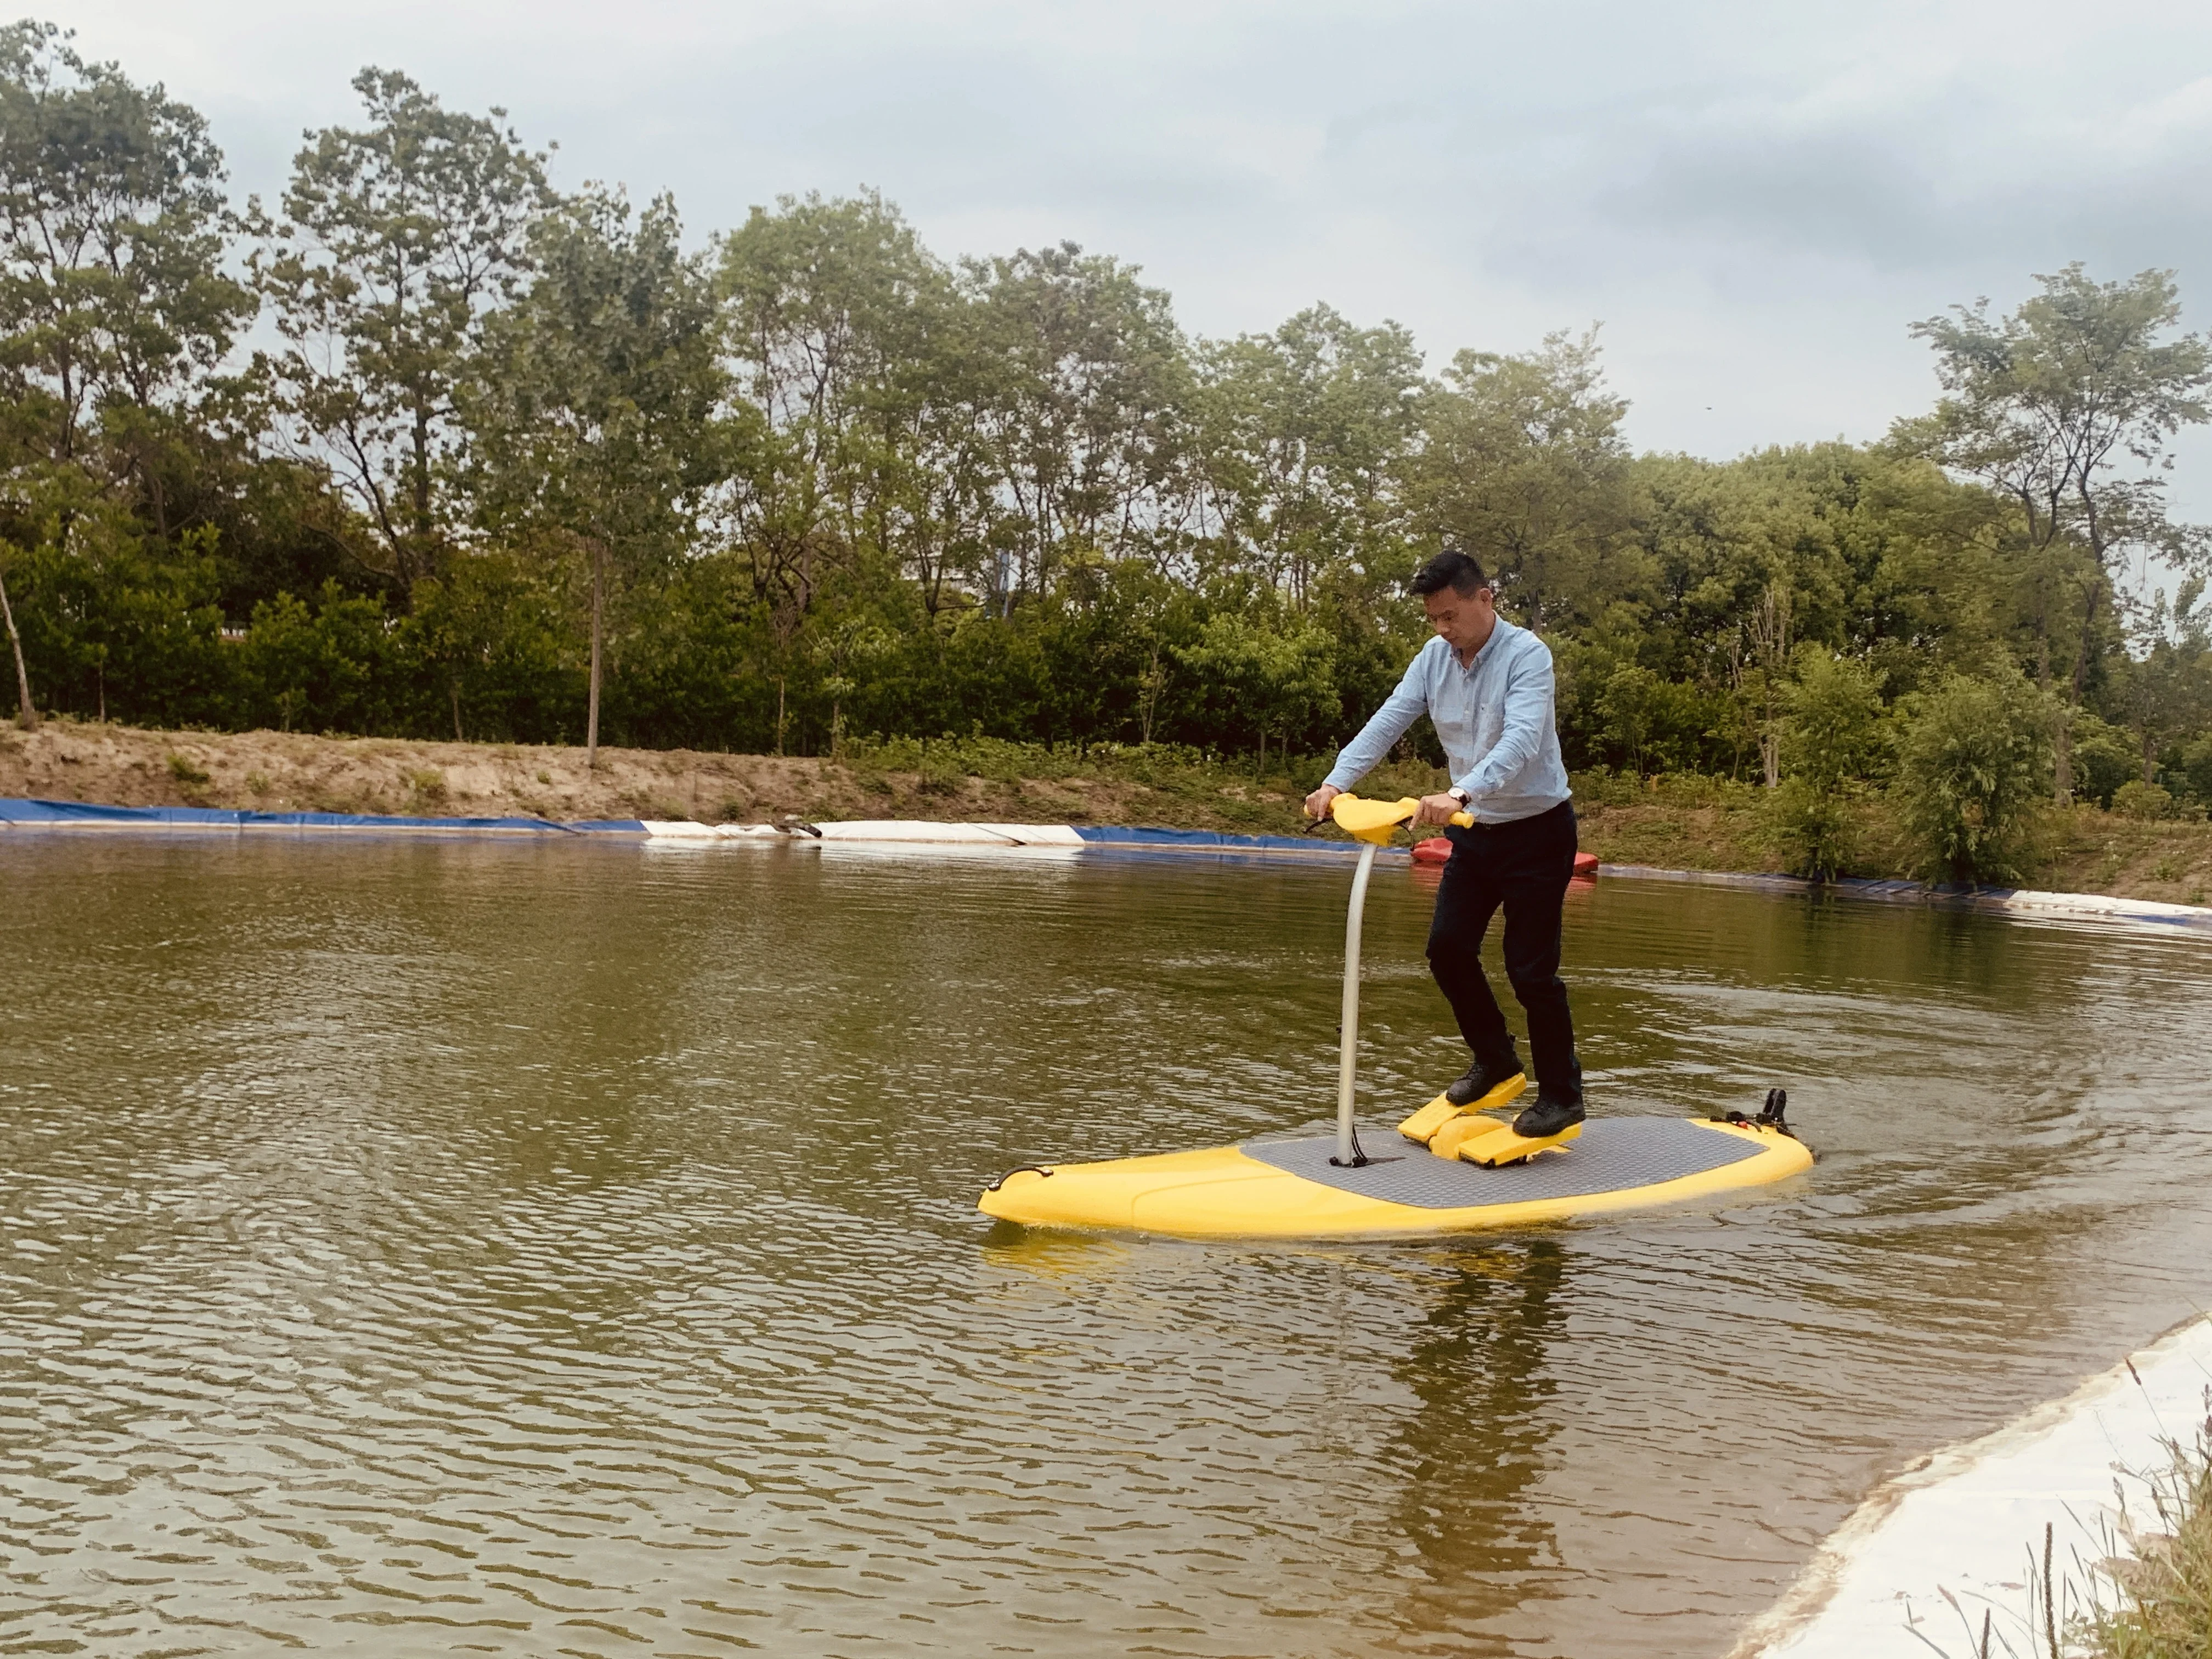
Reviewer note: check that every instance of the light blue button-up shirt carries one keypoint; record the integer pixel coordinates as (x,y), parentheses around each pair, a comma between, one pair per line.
(1497,720)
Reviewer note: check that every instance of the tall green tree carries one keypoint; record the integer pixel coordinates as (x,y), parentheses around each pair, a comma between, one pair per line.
(2167,691)
(1301,434)
(1078,385)
(595,413)
(115,313)
(113,297)
(2066,407)
(834,327)
(399,238)
(1525,465)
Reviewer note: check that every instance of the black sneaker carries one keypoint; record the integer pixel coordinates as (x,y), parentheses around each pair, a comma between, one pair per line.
(1478,1079)
(1549,1116)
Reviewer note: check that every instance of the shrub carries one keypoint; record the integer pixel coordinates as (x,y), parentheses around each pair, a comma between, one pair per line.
(1975,760)
(1833,728)
(2196,769)
(1811,828)
(2138,800)
(182,769)
(2104,757)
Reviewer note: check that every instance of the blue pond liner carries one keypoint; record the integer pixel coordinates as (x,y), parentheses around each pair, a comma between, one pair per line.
(214,818)
(1202,841)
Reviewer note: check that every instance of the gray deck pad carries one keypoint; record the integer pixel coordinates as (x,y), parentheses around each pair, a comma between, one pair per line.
(1611,1155)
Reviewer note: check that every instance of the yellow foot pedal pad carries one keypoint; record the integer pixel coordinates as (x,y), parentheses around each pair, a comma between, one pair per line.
(1424,1124)
(1430,1119)
(1462,1130)
(1502,1146)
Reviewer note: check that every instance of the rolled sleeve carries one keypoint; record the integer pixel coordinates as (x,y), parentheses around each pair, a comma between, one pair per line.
(1384,727)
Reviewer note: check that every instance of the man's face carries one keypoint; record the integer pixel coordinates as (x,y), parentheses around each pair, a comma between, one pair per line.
(1462,620)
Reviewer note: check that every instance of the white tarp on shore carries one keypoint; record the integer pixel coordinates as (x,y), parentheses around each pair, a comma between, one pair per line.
(1917,1567)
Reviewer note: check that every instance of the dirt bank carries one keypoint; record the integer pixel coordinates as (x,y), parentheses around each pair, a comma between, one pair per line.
(283,772)
(1681,825)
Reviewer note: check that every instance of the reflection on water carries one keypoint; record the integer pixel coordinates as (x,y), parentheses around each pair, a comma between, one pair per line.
(416,1247)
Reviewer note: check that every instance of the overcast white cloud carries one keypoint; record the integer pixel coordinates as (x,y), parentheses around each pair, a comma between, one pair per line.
(1754,199)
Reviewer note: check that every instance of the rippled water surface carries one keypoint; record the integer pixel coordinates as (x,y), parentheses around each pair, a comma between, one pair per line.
(416,1247)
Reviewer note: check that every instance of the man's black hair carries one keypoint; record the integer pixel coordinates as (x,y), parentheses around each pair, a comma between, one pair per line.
(1451,568)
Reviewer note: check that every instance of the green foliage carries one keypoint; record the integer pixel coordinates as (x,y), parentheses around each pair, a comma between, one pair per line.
(2137,800)
(324,669)
(2065,408)
(1975,758)
(2195,769)
(398,240)
(1832,729)
(2164,1607)
(1833,735)
(2105,757)
(1812,828)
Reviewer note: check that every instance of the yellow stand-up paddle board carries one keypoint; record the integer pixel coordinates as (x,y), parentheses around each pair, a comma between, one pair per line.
(1326,1185)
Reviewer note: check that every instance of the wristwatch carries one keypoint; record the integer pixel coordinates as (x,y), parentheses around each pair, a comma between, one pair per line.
(1457,795)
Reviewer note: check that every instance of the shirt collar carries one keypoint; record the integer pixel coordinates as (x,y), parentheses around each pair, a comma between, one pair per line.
(1497,631)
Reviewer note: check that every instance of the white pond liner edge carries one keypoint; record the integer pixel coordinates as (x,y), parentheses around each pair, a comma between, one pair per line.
(1916,1566)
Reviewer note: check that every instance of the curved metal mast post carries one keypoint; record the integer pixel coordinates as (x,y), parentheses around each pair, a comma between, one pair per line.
(1348,1155)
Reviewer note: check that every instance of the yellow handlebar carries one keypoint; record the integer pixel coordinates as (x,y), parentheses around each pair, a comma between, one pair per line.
(1373,820)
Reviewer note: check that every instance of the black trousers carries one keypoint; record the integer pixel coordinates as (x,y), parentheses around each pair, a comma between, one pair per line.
(1524,868)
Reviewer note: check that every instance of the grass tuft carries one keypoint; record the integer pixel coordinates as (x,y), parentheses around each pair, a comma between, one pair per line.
(2164,1609)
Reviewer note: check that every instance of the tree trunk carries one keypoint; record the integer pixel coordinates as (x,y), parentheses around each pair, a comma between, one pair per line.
(779,714)
(456,690)
(598,595)
(2062,790)
(27,713)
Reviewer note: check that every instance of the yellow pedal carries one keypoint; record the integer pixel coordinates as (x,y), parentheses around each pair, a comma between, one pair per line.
(1430,1119)
(1424,1124)
(1460,1131)
(1501,1146)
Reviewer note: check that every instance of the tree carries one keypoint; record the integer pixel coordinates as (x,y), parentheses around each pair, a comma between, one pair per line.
(1270,676)
(26,712)
(1975,757)
(2167,690)
(1525,465)
(1833,735)
(834,325)
(2066,407)
(1078,382)
(595,410)
(398,240)
(1300,435)
(114,312)
(112,222)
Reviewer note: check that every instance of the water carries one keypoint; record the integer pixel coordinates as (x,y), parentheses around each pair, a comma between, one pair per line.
(419,1247)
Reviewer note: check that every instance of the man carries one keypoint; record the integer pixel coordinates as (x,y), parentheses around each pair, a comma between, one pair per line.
(1487,686)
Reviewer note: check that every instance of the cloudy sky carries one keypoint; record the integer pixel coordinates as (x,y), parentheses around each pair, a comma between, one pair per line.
(1753,199)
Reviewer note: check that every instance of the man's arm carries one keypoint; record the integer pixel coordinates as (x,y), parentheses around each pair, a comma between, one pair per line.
(1384,727)
(1529,692)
